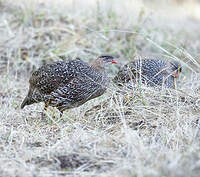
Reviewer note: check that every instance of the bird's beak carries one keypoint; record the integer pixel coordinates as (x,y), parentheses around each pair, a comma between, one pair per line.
(114,61)
(176,74)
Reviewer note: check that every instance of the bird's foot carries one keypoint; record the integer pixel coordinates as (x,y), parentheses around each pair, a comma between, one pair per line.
(43,115)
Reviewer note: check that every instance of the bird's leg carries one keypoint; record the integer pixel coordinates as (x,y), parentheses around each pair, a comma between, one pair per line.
(61,114)
(45,110)
(46,107)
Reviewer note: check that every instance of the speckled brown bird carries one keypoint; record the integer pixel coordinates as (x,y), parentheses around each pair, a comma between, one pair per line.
(66,85)
(150,71)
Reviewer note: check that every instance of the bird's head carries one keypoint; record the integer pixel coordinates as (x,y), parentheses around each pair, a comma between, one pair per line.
(107,59)
(176,68)
(103,61)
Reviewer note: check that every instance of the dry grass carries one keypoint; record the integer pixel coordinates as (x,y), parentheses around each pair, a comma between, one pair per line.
(127,132)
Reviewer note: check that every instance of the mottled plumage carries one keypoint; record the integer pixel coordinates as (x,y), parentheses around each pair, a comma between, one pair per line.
(150,71)
(66,85)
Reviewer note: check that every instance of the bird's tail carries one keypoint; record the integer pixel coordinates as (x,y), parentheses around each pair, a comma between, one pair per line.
(25,102)
(28,99)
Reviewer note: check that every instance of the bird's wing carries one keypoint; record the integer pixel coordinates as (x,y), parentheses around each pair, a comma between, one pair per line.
(50,77)
(131,71)
(76,92)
